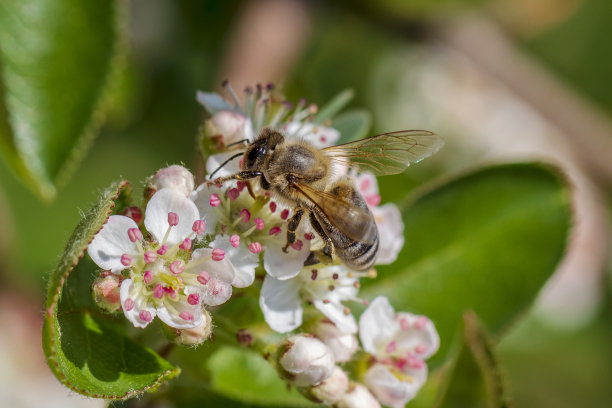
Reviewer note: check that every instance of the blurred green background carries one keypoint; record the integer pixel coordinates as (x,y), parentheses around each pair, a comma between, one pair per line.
(393,53)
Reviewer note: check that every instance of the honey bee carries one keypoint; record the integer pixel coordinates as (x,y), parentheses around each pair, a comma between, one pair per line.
(300,175)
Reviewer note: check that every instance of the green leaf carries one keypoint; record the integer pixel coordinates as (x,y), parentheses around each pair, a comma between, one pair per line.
(474,380)
(84,347)
(243,375)
(352,125)
(486,241)
(334,106)
(56,62)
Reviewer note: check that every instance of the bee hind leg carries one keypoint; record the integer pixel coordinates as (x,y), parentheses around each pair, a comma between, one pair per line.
(328,248)
(292,226)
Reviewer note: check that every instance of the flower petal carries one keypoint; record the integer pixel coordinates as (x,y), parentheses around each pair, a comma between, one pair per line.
(173,319)
(377,324)
(243,261)
(280,303)
(319,136)
(140,304)
(390,232)
(281,265)
(335,312)
(216,292)
(201,260)
(111,242)
(388,389)
(417,331)
(156,216)
(213,102)
(201,198)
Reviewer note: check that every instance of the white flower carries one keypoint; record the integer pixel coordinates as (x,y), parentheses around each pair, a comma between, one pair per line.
(388,218)
(245,227)
(306,361)
(399,344)
(326,287)
(165,278)
(357,396)
(174,177)
(317,135)
(342,344)
(332,389)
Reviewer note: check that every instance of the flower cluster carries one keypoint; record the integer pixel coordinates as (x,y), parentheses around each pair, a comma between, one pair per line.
(196,243)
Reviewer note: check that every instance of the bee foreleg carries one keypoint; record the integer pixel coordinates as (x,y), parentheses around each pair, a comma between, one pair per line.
(243,175)
(292,226)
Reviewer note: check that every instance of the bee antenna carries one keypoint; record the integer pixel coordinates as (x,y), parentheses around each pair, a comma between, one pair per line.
(236,143)
(224,163)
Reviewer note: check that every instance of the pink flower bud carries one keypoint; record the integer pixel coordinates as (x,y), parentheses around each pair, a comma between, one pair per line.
(106,292)
(134,213)
(196,335)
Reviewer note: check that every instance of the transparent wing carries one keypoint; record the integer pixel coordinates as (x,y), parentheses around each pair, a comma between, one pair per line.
(388,153)
(352,221)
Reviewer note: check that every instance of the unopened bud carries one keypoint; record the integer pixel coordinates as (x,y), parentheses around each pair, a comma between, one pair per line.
(227,124)
(106,292)
(306,361)
(330,390)
(194,336)
(357,396)
(175,177)
(342,344)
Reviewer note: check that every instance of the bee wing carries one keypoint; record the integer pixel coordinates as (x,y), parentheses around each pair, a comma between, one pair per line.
(352,221)
(388,153)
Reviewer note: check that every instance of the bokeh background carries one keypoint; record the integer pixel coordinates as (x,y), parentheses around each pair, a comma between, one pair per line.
(501,80)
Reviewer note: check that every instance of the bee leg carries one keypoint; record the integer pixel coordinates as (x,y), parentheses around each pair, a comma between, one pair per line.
(243,175)
(250,189)
(292,226)
(328,249)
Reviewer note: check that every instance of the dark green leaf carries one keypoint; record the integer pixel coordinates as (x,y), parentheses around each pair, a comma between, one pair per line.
(334,106)
(474,380)
(56,62)
(486,241)
(243,375)
(352,125)
(84,347)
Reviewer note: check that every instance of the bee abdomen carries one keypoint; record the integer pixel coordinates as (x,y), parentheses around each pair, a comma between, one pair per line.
(360,255)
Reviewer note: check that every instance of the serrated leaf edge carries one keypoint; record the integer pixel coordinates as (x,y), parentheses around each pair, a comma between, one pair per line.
(49,327)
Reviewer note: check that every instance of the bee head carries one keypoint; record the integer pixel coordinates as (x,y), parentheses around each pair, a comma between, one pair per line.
(255,155)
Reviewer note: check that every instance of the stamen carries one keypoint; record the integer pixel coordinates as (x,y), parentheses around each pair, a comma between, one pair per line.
(356,285)
(391,347)
(126,260)
(235,240)
(255,247)
(177,267)
(233,193)
(404,325)
(162,250)
(128,304)
(203,277)
(193,299)
(145,315)
(150,256)
(309,236)
(173,219)
(240,185)
(365,184)
(134,234)
(186,244)
(297,245)
(331,288)
(272,206)
(245,215)
(326,301)
(275,230)
(198,227)
(421,322)
(346,311)
(158,291)
(214,200)
(420,348)
(148,277)
(284,214)
(218,254)
(186,316)
(335,276)
(314,273)
(373,199)
(259,223)
(231,92)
